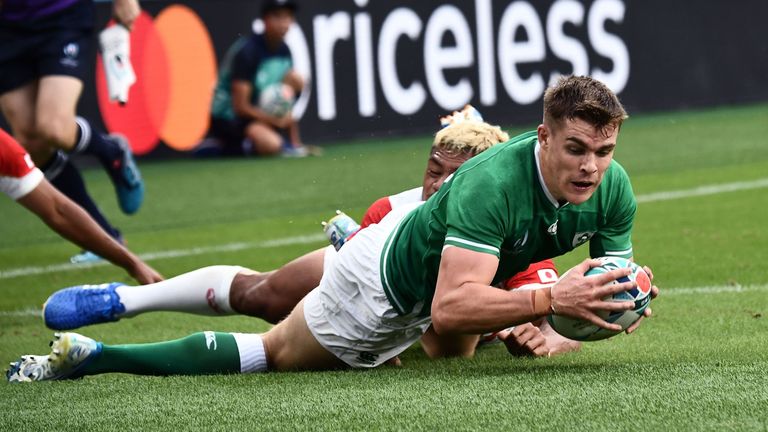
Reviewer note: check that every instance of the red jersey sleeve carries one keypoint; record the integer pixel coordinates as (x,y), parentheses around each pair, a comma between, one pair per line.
(376,212)
(542,273)
(18,175)
(14,161)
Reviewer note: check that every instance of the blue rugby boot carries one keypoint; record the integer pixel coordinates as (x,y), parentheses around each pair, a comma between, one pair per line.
(126,177)
(70,353)
(78,306)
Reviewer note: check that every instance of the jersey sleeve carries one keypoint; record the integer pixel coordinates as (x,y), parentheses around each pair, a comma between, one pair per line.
(376,212)
(289,54)
(472,222)
(244,64)
(537,275)
(18,174)
(614,238)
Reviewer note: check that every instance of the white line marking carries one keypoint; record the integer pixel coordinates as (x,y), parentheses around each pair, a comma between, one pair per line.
(668,292)
(28,312)
(703,190)
(232,247)
(714,289)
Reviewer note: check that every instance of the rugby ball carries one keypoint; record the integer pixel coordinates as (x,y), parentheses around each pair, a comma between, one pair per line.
(277,99)
(586,331)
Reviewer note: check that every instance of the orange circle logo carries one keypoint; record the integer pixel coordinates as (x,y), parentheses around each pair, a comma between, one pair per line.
(175,66)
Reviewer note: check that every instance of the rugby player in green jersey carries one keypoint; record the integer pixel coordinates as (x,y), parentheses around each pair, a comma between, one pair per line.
(537,196)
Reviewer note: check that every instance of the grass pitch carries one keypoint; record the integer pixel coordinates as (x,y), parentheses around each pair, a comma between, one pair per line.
(698,364)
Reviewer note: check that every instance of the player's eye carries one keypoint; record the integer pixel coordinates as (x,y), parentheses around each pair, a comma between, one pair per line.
(574,150)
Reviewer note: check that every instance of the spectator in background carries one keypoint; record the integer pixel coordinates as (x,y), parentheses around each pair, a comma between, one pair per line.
(251,66)
(45,46)
(23,182)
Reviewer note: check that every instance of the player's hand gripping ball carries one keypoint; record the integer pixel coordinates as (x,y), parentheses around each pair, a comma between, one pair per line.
(277,99)
(586,331)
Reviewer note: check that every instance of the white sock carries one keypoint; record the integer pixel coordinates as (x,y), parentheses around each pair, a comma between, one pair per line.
(253,357)
(204,291)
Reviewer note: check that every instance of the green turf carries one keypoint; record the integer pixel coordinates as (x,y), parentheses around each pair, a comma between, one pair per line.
(698,364)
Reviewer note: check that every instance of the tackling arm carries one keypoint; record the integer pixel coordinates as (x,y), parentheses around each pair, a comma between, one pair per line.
(73,223)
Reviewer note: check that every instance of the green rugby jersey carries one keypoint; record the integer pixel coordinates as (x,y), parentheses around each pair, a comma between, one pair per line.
(496,203)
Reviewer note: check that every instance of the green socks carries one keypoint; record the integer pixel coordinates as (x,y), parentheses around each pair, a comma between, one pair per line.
(197,354)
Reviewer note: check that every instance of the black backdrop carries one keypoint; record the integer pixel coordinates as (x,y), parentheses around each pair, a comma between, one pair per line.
(676,54)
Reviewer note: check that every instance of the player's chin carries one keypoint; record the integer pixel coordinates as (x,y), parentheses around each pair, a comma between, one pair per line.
(579,192)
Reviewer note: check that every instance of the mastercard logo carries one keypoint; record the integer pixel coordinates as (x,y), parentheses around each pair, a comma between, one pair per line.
(175,66)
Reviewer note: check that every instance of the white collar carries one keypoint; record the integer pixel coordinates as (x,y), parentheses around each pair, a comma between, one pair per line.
(549,195)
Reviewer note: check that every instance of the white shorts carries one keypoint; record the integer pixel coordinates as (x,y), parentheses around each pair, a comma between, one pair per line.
(349,314)
(329,258)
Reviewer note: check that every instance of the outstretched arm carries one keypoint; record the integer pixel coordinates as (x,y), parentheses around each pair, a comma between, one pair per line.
(73,223)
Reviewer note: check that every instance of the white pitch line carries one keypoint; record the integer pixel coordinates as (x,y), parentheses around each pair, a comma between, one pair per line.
(232,247)
(668,292)
(715,289)
(28,312)
(703,190)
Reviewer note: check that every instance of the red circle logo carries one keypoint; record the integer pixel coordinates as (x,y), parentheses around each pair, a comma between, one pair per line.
(175,66)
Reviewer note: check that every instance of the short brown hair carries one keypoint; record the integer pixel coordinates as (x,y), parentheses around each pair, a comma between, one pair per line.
(584,98)
(469,136)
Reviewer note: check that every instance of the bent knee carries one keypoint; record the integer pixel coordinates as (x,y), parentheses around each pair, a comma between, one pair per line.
(56,131)
(251,294)
(294,80)
(265,139)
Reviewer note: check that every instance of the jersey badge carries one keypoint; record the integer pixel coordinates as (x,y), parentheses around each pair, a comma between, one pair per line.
(581,238)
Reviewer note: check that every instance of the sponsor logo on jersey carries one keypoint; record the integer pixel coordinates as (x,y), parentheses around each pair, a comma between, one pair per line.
(581,238)
(552,230)
(518,246)
(210,340)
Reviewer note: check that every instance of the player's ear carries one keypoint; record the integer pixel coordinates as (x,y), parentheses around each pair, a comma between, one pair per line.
(543,134)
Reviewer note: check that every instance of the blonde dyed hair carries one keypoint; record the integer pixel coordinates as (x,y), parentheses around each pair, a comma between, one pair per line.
(469,136)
